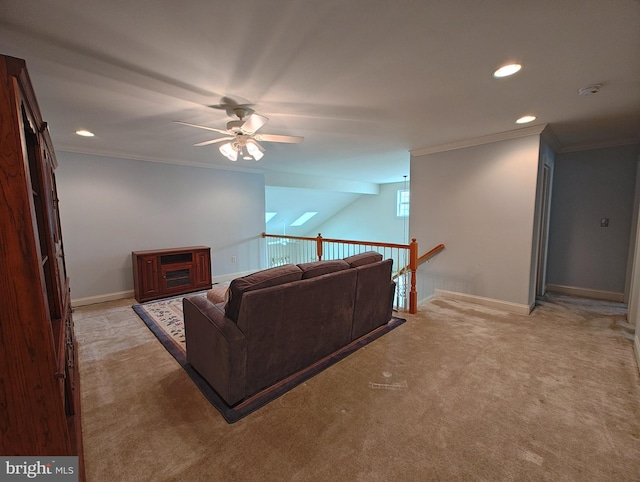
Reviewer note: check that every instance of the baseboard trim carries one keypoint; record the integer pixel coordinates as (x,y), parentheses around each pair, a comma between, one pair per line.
(426,300)
(587,293)
(636,349)
(92,300)
(490,302)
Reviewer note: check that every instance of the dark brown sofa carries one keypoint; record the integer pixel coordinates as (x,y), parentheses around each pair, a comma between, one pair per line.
(281,320)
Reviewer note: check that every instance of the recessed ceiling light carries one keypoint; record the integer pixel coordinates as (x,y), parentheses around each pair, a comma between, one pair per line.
(526,119)
(507,70)
(84,133)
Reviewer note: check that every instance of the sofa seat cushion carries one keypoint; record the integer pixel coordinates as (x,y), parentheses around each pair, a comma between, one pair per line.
(255,281)
(318,268)
(361,259)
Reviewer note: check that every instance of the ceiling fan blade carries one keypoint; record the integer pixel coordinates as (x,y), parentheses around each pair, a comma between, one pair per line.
(213,141)
(202,127)
(253,123)
(277,138)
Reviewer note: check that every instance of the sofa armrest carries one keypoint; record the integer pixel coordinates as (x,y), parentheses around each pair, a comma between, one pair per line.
(216,347)
(374,297)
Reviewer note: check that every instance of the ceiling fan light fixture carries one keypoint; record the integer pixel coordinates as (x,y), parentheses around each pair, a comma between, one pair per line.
(255,150)
(241,135)
(229,151)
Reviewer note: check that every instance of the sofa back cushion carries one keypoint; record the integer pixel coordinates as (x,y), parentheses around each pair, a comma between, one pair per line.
(318,268)
(291,326)
(361,259)
(255,281)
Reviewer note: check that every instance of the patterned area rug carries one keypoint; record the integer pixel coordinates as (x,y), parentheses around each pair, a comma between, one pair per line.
(165,320)
(167,316)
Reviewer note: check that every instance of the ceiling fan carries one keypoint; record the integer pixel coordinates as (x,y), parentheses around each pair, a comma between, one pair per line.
(241,137)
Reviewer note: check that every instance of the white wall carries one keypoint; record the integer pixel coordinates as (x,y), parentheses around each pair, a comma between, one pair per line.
(588,186)
(372,217)
(633,315)
(110,207)
(479,201)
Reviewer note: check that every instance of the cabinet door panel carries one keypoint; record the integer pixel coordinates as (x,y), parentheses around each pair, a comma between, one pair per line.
(149,276)
(175,278)
(203,268)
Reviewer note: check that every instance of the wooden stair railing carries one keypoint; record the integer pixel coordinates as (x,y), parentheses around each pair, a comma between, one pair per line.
(425,257)
(412,248)
(320,240)
(414,262)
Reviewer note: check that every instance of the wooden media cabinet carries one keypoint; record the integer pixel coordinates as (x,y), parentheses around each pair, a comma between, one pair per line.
(167,272)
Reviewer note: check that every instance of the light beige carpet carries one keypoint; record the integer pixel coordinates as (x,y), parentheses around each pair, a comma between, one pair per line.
(459,392)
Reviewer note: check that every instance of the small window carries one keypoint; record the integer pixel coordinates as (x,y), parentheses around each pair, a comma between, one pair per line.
(402,203)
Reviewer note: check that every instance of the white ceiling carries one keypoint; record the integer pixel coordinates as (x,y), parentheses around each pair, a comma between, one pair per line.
(364,81)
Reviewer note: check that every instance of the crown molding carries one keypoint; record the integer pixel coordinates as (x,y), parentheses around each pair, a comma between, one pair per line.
(271,178)
(131,157)
(477,141)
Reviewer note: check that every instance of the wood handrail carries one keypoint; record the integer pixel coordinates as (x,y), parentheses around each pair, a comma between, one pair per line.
(432,252)
(343,241)
(265,235)
(425,257)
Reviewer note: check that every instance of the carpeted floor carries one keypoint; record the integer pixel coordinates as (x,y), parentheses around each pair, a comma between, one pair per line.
(165,319)
(459,392)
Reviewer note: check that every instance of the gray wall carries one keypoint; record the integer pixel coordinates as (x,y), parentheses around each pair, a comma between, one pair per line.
(371,217)
(480,202)
(588,186)
(110,207)
(633,315)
